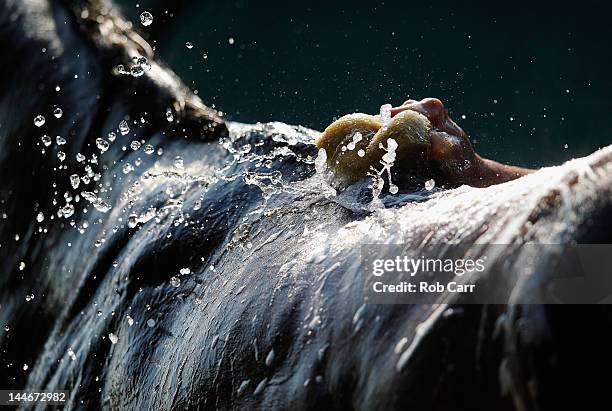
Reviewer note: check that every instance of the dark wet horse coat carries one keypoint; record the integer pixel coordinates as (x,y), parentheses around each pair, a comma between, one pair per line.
(270,314)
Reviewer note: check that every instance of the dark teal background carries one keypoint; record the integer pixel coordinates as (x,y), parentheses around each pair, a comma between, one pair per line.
(308,62)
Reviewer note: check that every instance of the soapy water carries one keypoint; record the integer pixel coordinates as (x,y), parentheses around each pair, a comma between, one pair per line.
(255,155)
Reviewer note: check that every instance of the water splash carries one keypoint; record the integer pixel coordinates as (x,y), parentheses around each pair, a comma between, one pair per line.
(96,201)
(385,115)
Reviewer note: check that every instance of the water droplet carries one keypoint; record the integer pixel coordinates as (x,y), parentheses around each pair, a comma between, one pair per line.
(127,168)
(124,128)
(565,146)
(102,145)
(61,155)
(29,297)
(46,140)
(58,112)
(112,136)
(151,323)
(393,189)
(130,320)
(430,184)
(132,221)
(75,181)
(25,367)
(178,162)
(189,45)
(149,149)
(39,121)
(169,115)
(66,211)
(175,281)
(71,354)
(60,140)
(205,56)
(80,157)
(113,338)
(40,217)
(22,266)
(146,18)
(135,145)
(231,40)
(185,271)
